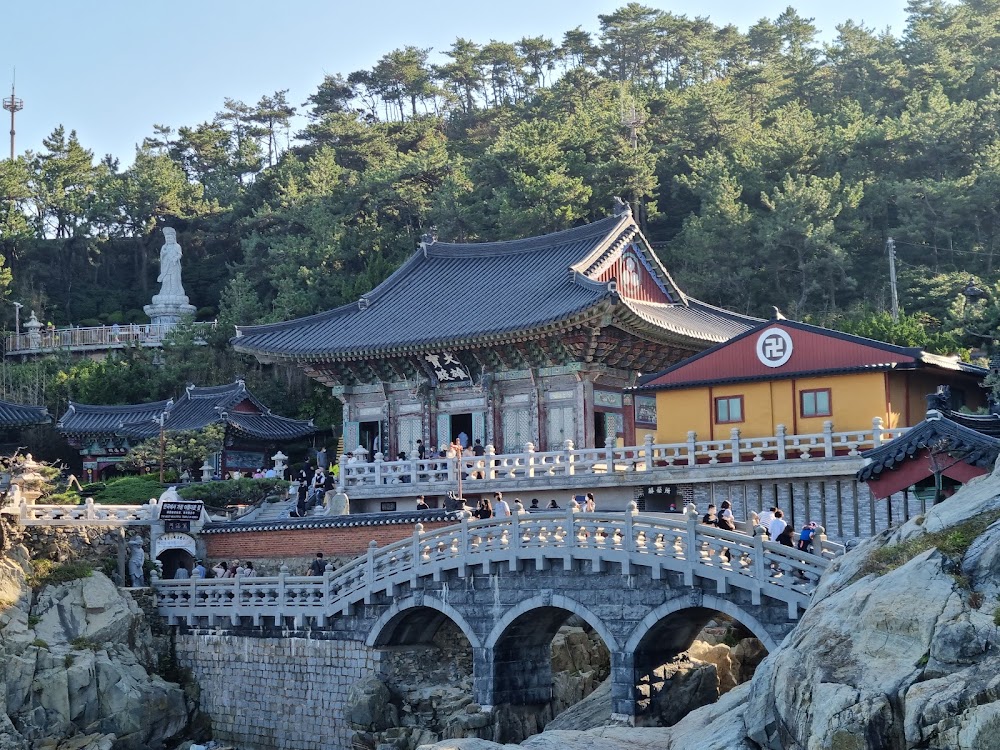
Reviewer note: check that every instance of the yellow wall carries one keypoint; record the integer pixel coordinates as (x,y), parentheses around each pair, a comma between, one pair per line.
(855,399)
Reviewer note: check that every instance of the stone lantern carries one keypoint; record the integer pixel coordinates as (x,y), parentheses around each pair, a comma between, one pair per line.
(34,328)
(279,459)
(28,480)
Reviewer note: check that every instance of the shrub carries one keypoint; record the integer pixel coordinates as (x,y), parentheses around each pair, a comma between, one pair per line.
(81,644)
(90,323)
(951,542)
(124,491)
(46,572)
(39,643)
(234,491)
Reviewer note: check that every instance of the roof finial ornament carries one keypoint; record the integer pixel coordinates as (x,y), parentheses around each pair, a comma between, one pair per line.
(622,207)
(776,314)
(430,236)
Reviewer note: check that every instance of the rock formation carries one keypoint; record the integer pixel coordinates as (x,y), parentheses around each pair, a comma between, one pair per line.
(898,651)
(79,667)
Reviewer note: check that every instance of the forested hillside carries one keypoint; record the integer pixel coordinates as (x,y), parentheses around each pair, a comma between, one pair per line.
(768,168)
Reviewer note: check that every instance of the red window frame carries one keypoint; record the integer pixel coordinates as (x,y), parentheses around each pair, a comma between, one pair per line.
(829,403)
(729,421)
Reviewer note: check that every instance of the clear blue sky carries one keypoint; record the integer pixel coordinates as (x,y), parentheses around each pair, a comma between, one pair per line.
(112,68)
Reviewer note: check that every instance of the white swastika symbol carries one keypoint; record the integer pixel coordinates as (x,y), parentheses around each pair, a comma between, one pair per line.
(774,347)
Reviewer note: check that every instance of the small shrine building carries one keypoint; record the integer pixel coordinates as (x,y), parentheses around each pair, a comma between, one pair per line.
(799,376)
(524,341)
(104,434)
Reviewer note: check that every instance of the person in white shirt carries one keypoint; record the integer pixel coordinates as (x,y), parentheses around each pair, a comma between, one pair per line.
(777,525)
(500,507)
(766,517)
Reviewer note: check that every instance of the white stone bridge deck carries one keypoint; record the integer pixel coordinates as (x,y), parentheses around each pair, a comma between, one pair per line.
(647,543)
(87,339)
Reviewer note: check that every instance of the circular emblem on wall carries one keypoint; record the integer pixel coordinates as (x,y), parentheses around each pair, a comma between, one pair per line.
(631,278)
(774,347)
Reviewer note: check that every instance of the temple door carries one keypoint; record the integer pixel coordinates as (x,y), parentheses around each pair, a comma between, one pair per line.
(560,426)
(516,427)
(478,427)
(408,432)
(443,430)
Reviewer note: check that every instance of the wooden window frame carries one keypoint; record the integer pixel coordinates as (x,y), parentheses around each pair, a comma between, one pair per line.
(829,403)
(743,414)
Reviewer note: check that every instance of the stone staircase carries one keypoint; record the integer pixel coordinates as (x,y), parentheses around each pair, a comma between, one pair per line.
(278,511)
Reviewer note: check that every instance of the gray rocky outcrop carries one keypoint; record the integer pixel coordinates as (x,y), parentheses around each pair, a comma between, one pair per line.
(79,667)
(898,651)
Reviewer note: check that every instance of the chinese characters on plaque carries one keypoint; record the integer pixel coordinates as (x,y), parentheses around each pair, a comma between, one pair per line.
(446,367)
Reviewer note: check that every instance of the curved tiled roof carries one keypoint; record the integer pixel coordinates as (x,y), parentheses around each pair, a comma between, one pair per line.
(460,294)
(356,520)
(19,415)
(196,408)
(967,444)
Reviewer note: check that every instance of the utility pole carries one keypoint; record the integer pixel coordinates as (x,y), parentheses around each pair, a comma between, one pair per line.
(13,105)
(890,246)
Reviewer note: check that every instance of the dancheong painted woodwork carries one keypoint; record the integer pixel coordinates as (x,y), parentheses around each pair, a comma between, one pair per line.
(502,342)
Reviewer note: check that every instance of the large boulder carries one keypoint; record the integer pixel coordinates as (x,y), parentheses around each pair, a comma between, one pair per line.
(88,609)
(592,711)
(368,706)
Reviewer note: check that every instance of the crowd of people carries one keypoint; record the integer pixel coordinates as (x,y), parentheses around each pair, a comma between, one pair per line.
(770,524)
(500,508)
(233,569)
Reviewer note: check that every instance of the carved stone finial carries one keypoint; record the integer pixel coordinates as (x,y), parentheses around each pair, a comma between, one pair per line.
(429,237)
(621,207)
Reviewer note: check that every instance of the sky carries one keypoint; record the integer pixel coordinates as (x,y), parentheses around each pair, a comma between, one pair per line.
(111,69)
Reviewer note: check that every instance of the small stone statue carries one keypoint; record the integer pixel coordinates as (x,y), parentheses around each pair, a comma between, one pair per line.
(136,558)
(170,267)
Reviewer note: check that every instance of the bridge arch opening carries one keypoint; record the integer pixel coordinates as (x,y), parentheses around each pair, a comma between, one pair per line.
(426,650)
(700,649)
(545,655)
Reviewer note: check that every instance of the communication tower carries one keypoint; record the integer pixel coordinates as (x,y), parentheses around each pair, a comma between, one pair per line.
(13,105)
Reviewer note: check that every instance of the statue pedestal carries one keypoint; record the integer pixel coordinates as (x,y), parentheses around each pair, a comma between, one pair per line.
(167,311)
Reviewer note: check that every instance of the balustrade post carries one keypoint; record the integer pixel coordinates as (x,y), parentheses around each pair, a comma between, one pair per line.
(378,468)
(819,541)
(759,568)
(692,552)
(734,436)
(570,457)
(630,513)
(370,569)
(491,466)
(342,479)
(877,432)
(280,613)
(779,437)
(418,529)
(326,596)
(529,450)
(828,438)
(692,447)
(515,525)
(414,470)
(571,510)
(90,513)
(609,451)
(23,511)
(647,444)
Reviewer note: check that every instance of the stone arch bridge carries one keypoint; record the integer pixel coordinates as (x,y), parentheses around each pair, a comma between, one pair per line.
(645,584)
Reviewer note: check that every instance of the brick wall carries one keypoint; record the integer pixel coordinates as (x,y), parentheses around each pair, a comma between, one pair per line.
(338,542)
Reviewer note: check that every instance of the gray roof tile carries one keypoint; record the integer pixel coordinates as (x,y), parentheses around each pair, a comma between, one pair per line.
(19,415)
(455,293)
(196,408)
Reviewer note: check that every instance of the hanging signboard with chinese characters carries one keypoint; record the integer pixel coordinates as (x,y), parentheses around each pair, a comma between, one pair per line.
(446,367)
(645,409)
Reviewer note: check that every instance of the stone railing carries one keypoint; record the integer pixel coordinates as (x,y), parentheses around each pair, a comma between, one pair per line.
(92,338)
(632,541)
(86,514)
(530,464)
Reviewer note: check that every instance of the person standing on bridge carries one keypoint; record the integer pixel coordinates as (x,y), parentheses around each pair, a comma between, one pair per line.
(777,525)
(590,504)
(500,507)
(318,566)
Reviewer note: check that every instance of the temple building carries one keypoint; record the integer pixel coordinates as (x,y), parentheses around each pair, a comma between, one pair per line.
(801,376)
(509,343)
(14,416)
(104,434)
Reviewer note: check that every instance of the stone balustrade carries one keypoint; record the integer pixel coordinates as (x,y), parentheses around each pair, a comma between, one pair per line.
(93,338)
(628,540)
(87,513)
(442,473)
